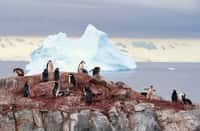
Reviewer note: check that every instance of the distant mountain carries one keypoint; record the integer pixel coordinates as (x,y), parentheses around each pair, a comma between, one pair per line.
(144,50)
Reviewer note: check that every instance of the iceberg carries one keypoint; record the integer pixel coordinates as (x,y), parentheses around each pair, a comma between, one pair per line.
(94,47)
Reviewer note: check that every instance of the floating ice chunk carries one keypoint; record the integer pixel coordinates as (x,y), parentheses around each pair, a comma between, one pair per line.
(171,68)
(93,47)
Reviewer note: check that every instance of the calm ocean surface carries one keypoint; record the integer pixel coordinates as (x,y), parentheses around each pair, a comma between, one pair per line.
(164,76)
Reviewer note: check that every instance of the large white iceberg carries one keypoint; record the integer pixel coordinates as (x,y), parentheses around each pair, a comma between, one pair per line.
(93,47)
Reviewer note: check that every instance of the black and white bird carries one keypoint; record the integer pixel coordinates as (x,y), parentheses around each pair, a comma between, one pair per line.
(45,75)
(56,74)
(19,71)
(88,95)
(26,90)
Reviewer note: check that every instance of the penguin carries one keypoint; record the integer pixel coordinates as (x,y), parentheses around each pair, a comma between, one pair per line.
(181,95)
(81,68)
(19,71)
(45,75)
(88,95)
(174,96)
(56,74)
(150,92)
(71,81)
(186,100)
(143,93)
(95,71)
(49,66)
(55,90)
(26,90)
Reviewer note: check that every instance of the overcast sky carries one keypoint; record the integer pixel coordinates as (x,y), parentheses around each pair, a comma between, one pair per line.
(118,18)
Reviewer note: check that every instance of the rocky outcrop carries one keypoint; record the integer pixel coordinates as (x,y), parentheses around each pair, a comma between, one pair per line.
(145,119)
(115,107)
(179,121)
(7,122)
(24,120)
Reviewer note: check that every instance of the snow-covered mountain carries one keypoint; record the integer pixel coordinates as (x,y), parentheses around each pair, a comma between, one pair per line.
(94,47)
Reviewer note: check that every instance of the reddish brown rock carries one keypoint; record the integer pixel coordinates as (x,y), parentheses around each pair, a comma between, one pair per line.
(42,89)
(115,107)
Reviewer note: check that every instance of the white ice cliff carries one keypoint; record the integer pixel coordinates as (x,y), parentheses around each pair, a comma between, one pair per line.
(93,47)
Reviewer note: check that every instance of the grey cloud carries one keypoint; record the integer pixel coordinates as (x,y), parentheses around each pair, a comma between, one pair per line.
(34,17)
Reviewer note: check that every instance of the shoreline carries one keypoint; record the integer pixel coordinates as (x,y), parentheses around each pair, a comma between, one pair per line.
(164,76)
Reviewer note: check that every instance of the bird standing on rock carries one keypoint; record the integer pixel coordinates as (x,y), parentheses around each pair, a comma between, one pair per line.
(26,90)
(56,74)
(88,95)
(174,96)
(81,68)
(49,66)
(96,73)
(19,71)
(45,75)
(150,92)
